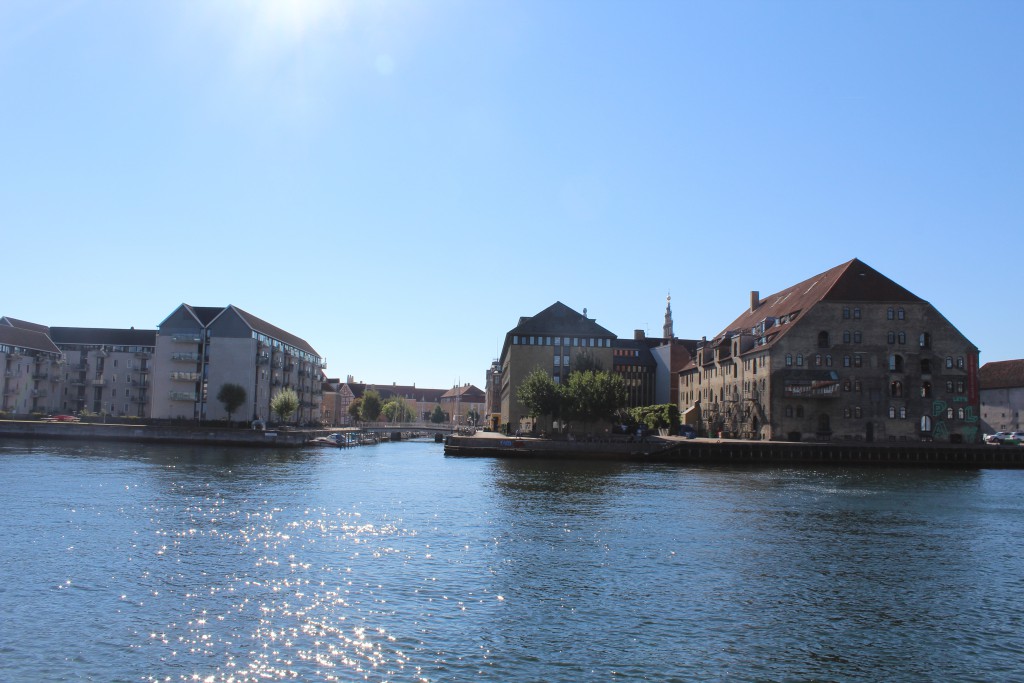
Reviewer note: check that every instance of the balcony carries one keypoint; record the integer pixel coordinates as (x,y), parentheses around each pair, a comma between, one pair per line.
(263,358)
(40,376)
(190,356)
(185,376)
(99,382)
(39,393)
(826,388)
(143,354)
(186,338)
(183,396)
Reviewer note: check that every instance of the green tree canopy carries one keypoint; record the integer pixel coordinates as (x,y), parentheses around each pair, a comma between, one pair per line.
(231,396)
(285,403)
(664,416)
(398,410)
(370,410)
(590,396)
(539,394)
(437,417)
(355,409)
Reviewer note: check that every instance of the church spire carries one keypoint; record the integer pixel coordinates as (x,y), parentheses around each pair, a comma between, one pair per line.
(666,331)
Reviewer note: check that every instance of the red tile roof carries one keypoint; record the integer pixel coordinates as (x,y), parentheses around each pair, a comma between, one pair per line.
(1002,374)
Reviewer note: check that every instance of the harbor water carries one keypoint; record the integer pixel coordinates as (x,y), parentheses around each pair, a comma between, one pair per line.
(124,562)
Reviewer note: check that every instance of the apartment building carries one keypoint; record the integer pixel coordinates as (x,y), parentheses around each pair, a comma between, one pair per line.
(199,349)
(106,370)
(845,355)
(32,368)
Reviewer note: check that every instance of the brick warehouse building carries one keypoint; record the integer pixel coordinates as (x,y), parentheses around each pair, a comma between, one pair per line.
(845,355)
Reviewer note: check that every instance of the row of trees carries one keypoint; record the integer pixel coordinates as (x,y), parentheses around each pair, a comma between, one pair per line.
(587,396)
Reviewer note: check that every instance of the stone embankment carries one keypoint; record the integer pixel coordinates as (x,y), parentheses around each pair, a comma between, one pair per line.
(715,451)
(151,434)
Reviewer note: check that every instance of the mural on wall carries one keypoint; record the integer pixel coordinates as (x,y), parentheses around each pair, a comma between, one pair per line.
(965,414)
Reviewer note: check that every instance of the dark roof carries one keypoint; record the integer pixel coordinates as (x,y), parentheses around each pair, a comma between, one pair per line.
(556,319)
(1002,374)
(26,339)
(205,314)
(467,391)
(274,331)
(102,335)
(14,322)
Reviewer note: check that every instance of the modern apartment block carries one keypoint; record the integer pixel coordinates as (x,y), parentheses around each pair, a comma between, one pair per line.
(555,340)
(106,371)
(845,355)
(32,368)
(200,349)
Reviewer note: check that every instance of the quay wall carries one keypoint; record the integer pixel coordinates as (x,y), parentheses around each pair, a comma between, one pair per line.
(902,454)
(150,434)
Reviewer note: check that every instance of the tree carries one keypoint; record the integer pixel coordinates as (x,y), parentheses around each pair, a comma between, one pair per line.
(591,396)
(437,417)
(370,409)
(397,410)
(539,394)
(355,409)
(285,403)
(231,397)
(585,360)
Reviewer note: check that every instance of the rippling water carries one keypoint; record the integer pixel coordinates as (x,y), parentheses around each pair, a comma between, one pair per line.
(394,563)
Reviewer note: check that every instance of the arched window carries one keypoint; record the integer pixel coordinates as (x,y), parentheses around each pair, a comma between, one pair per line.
(926,423)
(926,389)
(896,363)
(799,411)
(789,359)
(823,339)
(889,314)
(799,360)
(817,359)
(949,361)
(925,340)
(828,360)
(892,409)
(896,389)
(900,314)
(949,413)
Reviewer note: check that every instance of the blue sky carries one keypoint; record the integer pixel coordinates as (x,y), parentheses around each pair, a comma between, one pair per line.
(399,182)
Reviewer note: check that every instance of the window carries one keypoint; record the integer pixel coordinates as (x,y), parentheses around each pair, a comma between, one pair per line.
(892,409)
(789,411)
(856,385)
(891,337)
(558,341)
(889,314)
(949,361)
(846,385)
(926,423)
(926,389)
(896,389)
(925,340)
(903,412)
(846,413)
(960,413)
(828,360)
(960,362)
(949,413)
(823,340)
(799,411)
(896,363)
(558,361)
(900,314)
(857,360)
(856,314)
(901,338)
(846,336)
(799,360)
(846,312)
(846,361)
(856,337)
(857,412)
(817,359)
(959,386)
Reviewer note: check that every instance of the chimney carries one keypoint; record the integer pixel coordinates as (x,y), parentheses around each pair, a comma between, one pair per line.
(638,335)
(755,300)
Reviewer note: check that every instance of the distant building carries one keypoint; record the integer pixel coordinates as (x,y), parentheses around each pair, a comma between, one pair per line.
(492,411)
(419,399)
(199,349)
(845,355)
(556,340)
(460,402)
(1002,396)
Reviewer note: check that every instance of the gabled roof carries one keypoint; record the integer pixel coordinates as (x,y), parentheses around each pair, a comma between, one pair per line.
(102,335)
(266,328)
(14,322)
(466,391)
(27,339)
(853,282)
(1002,374)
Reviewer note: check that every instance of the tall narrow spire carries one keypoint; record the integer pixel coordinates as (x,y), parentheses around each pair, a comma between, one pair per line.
(666,331)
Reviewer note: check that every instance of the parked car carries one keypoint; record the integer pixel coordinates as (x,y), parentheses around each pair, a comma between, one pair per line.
(688,431)
(61,418)
(1005,438)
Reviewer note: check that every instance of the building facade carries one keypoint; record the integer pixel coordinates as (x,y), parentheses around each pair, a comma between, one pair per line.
(554,341)
(845,355)
(33,368)
(200,349)
(1002,396)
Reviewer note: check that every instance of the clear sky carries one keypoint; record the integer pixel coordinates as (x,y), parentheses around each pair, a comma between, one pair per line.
(399,182)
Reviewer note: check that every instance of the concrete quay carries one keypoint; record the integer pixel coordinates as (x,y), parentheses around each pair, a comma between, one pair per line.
(87,431)
(735,452)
